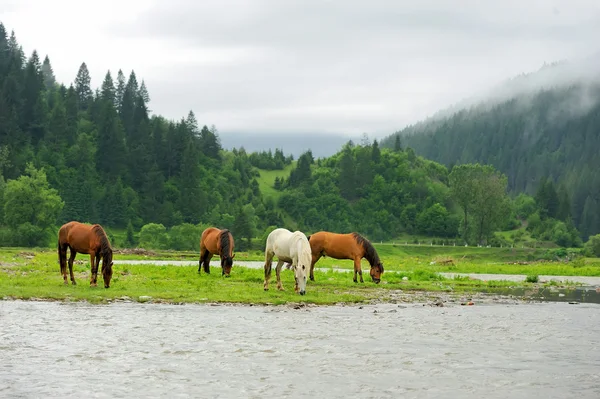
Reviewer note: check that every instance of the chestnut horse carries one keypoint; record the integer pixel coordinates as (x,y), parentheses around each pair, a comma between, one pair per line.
(216,241)
(351,246)
(85,239)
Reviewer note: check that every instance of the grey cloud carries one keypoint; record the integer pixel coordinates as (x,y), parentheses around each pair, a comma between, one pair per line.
(350,66)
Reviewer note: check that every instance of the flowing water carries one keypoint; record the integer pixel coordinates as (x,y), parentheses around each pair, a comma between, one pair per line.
(53,349)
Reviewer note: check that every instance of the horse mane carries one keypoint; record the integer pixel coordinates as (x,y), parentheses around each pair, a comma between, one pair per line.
(105,248)
(224,236)
(370,252)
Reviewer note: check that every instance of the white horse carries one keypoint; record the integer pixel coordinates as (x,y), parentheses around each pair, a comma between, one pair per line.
(291,248)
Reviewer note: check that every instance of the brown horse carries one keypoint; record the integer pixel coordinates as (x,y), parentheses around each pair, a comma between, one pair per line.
(85,239)
(216,241)
(351,246)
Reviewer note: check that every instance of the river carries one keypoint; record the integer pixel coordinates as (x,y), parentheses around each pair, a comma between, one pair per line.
(127,350)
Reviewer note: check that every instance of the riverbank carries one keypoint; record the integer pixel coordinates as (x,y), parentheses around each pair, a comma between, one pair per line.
(35,275)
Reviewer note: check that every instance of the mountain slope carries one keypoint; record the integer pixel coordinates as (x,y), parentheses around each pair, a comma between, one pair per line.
(541,125)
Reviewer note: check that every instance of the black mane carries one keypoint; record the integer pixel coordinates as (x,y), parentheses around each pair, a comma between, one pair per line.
(370,252)
(225,243)
(105,249)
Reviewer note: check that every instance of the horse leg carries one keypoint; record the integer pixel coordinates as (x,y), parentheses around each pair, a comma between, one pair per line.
(268,262)
(71,259)
(278,273)
(62,260)
(206,265)
(202,254)
(315,259)
(358,270)
(98,263)
(94,268)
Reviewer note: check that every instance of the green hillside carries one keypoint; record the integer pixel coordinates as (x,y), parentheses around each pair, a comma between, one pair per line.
(551,132)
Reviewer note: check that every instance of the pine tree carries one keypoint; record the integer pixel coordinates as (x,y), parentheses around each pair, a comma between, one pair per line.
(192,124)
(71,108)
(128,105)
(397,143)
(209,143)
(347,181)
(108,89)
(32,115)
(4,53)
(130,238)
(375,152)
(111,153)
(120,92)
(83,88)
(57,129)
(192,199)
(48,73)
(143,93)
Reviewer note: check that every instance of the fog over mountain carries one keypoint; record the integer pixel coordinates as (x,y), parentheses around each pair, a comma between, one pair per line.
(321,145)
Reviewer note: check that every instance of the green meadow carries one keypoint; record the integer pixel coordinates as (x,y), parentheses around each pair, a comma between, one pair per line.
(34,274)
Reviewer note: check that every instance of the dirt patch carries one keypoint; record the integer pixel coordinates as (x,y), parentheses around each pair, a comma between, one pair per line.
(27,255)
(134,251)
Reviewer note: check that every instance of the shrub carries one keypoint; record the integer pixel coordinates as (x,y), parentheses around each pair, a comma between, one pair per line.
(185,237)
(592,247)
(153,236)
(532,278)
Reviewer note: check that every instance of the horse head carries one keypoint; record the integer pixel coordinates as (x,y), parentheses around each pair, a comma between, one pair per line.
(301,270)
(376,272)
(226,265)
(107,271)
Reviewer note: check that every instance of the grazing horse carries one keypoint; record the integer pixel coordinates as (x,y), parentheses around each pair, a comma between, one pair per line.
(351,246)
(216,241)
(85,239)
(289,248)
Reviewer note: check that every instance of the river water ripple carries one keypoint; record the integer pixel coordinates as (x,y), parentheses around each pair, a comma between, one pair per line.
(127,350)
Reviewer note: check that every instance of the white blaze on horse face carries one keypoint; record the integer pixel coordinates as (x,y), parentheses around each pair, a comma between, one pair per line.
(300,273)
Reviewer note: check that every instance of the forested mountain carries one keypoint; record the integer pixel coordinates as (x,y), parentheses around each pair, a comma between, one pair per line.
(74,153)
(538,126)
(109,160)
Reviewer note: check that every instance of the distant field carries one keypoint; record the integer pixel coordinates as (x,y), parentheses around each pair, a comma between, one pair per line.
(267,178)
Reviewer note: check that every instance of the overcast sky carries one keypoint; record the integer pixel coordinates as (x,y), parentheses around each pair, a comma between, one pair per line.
(343,67)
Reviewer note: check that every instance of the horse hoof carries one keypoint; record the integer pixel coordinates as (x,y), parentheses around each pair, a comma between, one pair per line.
(73,282)
(356,281)
(312,279)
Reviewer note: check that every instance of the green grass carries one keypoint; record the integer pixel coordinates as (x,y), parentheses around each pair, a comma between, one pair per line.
(34,274)
(267,178)
(396,257)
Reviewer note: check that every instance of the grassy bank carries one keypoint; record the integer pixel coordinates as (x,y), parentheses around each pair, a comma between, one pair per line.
(402,258)
(28,274)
